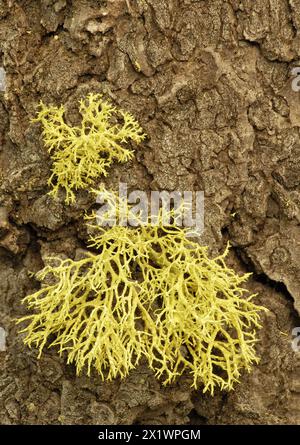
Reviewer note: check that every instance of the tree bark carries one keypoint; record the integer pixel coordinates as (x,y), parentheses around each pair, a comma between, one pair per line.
(211,84)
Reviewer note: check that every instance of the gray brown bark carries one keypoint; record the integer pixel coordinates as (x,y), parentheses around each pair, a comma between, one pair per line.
(210,82)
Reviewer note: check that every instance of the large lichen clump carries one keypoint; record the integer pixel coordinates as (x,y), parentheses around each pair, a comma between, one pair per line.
(81,154)
(146,292)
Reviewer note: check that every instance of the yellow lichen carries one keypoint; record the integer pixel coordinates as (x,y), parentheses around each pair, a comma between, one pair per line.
(147,292)
(80,154)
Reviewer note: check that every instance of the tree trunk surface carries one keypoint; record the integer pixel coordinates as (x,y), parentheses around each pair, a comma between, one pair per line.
(211,84)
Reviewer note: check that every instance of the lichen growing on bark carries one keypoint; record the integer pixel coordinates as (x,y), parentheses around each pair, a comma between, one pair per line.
(81,154)
(147,292)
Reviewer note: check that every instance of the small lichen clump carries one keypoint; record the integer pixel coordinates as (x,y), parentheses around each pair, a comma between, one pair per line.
(146,292)
(80,154)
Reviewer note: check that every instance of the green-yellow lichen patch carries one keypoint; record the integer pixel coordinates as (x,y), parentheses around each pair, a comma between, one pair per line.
(146,292)
(80,154)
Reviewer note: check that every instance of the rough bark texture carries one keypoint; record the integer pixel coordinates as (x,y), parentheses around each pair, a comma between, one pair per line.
(210,82)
